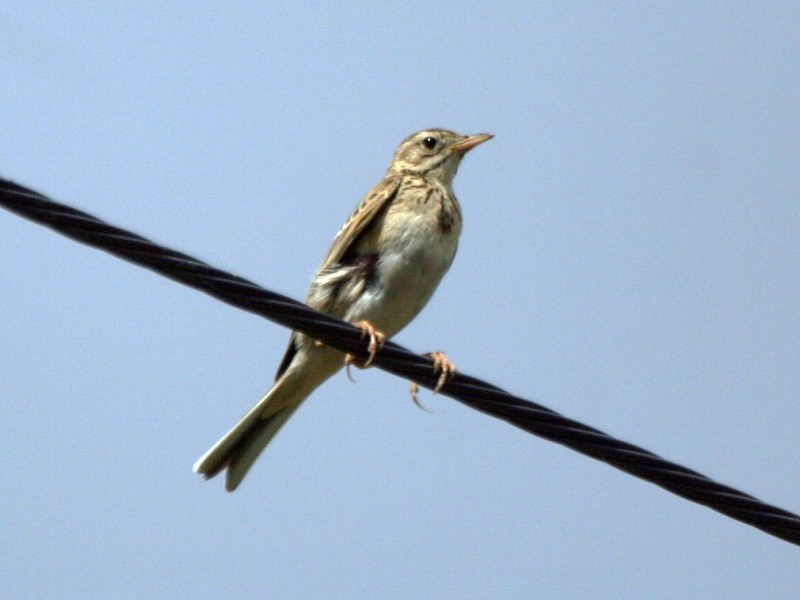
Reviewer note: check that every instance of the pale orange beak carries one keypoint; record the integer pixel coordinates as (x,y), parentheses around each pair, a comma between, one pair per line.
(470,142)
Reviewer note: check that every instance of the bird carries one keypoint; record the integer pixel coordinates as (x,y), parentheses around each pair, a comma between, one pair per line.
(383,267)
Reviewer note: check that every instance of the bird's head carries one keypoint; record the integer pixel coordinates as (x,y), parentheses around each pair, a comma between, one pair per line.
(434,153)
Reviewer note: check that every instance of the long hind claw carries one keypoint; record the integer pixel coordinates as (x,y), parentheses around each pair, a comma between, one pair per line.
(376,341)
(442,365)
(349,359)
(415,397)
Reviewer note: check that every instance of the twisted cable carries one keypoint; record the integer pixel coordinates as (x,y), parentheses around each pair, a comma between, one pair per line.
(479,395)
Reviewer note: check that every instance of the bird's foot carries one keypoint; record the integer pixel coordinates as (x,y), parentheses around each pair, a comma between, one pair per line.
(376,341)
(441,365)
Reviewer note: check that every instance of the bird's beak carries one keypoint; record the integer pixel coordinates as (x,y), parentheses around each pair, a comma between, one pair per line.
(470,142)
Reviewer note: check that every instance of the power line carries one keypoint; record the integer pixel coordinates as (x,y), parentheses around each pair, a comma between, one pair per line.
(528,416)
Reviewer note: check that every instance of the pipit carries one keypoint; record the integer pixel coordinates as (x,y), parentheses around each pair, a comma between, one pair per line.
(383,267)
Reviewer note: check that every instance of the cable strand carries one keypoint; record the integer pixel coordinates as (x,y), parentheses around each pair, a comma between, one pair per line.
(526,415)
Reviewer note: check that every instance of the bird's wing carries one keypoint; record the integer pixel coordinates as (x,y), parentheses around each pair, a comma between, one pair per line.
(361,218)
(364,214)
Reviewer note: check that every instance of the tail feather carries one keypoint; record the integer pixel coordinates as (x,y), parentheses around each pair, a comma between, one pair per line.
(252,445)
(242,445)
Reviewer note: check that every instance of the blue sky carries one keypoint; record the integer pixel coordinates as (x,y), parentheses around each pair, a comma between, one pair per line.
(629,258)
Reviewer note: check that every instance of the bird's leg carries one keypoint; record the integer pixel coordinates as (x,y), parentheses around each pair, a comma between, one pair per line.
(442,365)
(376,341)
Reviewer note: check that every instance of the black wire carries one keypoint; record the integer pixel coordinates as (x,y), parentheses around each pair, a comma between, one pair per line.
(529,416)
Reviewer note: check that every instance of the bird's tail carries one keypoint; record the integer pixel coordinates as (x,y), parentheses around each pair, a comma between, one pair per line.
(242,445)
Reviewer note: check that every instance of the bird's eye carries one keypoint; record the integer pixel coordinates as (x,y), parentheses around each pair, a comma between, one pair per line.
(430,142)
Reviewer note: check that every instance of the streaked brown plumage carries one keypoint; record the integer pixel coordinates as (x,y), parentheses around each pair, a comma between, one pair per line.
(381,270)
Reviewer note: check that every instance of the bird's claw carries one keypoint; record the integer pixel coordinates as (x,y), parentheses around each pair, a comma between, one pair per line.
(441,365)
(376,341)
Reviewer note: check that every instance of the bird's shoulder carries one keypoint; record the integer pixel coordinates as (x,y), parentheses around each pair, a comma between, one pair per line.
(363,216)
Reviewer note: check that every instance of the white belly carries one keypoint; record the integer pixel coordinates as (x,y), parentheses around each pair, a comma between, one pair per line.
(407,274)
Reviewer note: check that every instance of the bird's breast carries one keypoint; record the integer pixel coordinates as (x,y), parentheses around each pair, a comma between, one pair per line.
(415,253)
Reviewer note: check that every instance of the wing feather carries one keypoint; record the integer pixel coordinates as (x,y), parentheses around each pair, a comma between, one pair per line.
(374,202)
(361,218)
